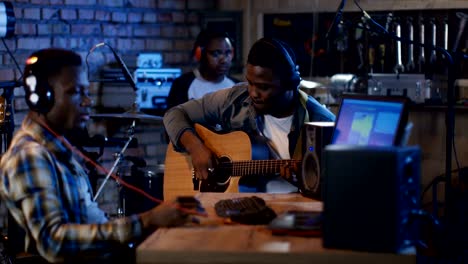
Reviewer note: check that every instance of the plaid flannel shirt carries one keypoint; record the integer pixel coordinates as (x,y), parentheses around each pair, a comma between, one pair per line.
(41,182)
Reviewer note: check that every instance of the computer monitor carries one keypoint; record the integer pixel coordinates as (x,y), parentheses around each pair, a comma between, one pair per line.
(371,120)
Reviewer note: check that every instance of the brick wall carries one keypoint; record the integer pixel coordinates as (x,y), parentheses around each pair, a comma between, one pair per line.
(130,27)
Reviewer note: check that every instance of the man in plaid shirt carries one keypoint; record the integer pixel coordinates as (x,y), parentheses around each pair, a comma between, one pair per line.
(42,180)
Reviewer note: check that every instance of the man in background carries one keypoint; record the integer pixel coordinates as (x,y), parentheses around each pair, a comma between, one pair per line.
(213,50)
(268,106)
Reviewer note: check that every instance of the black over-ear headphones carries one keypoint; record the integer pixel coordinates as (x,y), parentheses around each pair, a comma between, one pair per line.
(39,94)
(294,77)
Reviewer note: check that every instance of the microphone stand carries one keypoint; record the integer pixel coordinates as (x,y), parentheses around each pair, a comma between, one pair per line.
(450,209)
(135,108)
(131,132)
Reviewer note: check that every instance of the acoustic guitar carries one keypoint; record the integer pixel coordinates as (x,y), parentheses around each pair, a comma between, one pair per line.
(236,156)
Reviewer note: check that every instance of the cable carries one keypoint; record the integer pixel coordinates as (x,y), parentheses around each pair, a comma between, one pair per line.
(13,58)
(89,53)
(115,177)
(127,75)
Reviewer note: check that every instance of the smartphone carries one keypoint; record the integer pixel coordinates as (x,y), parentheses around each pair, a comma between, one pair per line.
(297,223)
(190,202)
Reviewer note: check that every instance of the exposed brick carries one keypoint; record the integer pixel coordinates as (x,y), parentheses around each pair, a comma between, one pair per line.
(115,3)
(11,44)
(32,13)
(18,12)
(149,17)
(33,43)
(172,4)
(86,29)
(109,41)
(21,107)
(165,17)
(40,2)
(117,30)
(158,44)
(148,137)
(119,17)
(193,31)
(201,4)
(176,58)
(47,29)
(147,30)
(21,57)
(143,3)
(68,14)
(7,74)
(85,14)
(66,42)
(135,17)
(131,44)
(173,31)
(48,13)
(25,29)
(183,44)
(103,15)
(193,18)
(178,17)
(80,2)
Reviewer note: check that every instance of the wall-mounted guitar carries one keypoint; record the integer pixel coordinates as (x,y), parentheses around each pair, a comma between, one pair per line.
(7,124)
(237,156)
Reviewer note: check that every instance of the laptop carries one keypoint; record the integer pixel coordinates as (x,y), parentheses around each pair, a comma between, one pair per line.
(371,121)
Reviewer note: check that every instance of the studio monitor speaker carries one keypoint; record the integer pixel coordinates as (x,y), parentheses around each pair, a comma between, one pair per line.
(316,135)
(369,194)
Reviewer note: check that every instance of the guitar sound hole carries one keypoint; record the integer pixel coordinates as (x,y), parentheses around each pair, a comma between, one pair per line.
(224,171)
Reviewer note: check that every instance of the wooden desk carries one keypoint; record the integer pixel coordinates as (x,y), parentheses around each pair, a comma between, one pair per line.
(249,244)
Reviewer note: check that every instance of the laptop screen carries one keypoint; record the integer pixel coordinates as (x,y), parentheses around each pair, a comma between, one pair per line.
(370,121)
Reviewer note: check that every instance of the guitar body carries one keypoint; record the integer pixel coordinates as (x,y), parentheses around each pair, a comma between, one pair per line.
(178,166)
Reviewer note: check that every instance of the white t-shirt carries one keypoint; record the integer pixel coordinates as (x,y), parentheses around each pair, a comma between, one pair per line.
(277,130)
(199,86)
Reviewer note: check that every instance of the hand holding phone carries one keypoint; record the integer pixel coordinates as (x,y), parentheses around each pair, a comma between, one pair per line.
(191,203)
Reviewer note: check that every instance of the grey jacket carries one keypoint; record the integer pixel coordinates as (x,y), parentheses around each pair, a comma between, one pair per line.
(231,109)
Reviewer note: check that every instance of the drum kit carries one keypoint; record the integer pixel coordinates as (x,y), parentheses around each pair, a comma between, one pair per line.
(148,178)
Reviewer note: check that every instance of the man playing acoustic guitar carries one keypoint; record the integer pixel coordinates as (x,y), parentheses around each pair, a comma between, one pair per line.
(269,106)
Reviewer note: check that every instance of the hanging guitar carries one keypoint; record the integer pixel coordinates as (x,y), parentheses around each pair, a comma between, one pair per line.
(3,109)
(236,156)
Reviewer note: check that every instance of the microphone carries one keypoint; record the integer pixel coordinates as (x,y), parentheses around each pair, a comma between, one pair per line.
(337,19)
(125,70)
(463,18)
(121,63)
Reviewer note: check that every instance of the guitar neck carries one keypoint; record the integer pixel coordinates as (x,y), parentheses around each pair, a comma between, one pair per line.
(255,167)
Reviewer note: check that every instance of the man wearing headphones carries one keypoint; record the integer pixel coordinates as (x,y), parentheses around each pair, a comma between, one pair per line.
(213,51)
(43,182)
(269,106)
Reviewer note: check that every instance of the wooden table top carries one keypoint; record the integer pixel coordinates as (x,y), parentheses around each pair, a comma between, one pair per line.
(214,242)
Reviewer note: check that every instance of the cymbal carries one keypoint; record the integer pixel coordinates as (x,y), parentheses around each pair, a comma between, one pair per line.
(129,115)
